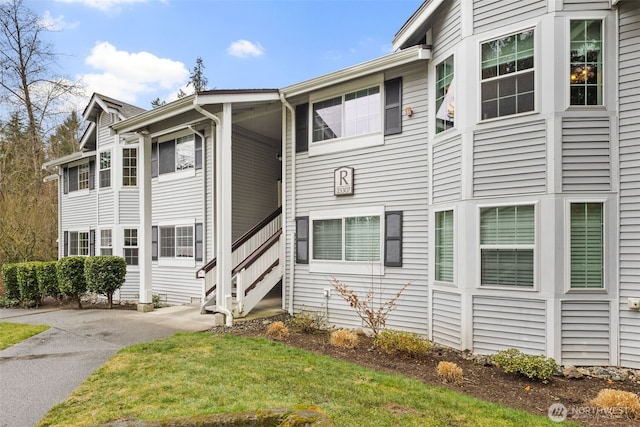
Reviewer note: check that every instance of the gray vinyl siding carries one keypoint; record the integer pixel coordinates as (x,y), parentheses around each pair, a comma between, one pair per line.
(510,160)
(104,132)
(629,82)
(446,317)
(177,283)
(106,207)
(447,170)
(586,333)
(79,212)
(586,5)
(446,28)
(491,14)
(130,290)
(395,176)
(586,159)
(501,323)
(256,171)
(129,206)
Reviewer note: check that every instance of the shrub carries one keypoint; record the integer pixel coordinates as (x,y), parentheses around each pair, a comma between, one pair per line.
(71,277)
(105,274)
(392,341)
(26,274)
(529,365)
(625,400)
(277,330)
(343,338)
(10,279)
(450,372)
(47,274)
(308,322)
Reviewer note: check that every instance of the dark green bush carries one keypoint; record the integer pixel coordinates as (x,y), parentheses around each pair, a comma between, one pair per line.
(10,281)
(105,274)
(392,341)
(47,273)
(26,274)
(532,366)
(71,277)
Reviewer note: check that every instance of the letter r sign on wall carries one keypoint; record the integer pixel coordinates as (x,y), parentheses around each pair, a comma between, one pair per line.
(343,181)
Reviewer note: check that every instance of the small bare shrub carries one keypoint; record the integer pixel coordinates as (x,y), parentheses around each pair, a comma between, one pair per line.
(277,330)
(624,400)
(343,338)
(391,341)
(450,372)
(308,322)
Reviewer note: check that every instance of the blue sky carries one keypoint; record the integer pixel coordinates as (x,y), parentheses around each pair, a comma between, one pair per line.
(137,50)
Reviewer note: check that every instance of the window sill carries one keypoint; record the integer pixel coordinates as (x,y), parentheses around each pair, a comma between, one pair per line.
(176,262)
(509,287)
(174,176)
(346,267)
(586,291)
(511,116)
(345,144)
(78,193)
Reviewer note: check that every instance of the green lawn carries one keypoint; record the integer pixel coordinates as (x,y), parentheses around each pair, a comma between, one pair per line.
(202,374)
(13,333)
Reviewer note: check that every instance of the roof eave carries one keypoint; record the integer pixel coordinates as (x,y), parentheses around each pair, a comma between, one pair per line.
(414,23)
(68,159)
(153,116)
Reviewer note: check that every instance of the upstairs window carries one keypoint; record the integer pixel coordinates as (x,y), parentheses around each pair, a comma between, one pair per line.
(587,245)
(130,167)
(585,72)
(81,177)
(105,169)
(445,102)
(508,75)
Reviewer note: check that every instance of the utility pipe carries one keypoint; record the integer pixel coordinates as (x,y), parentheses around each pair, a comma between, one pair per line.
(293,187)
(204,198)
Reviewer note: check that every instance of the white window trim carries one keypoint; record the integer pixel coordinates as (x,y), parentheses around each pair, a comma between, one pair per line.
(77,193)
(79,230)
(567,63)
(350,142)
(99,240)
(535,247)
(121,166)
(176,174)
(432,250)
(567,244)
(433,103)
(133,227)
(175,261)
(98,170)
(375,268)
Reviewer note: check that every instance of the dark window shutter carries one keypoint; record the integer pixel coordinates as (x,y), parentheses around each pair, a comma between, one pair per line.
(199,151)
(393,239)
(199,241)
(65,179)
(92,174)
(65,238)
(302,128)
(393,106)
(92,242)
(167,157)
(302,240)
(154,159)
(154,243)
(73,178)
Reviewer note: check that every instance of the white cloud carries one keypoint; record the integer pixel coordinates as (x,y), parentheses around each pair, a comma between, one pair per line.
(104,5)
(245,49)
(124,75)
(56,24)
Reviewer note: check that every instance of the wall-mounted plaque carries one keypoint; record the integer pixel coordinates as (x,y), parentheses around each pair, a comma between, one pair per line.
(343,181)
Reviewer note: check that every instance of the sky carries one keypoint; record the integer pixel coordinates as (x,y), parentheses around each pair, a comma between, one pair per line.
(139,50)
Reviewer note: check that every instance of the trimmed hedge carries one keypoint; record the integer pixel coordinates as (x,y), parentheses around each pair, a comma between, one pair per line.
(71,277)
(47,273)
(27,276)
(105,274)
(10,281)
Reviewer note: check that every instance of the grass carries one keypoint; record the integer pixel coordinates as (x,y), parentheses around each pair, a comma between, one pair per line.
(13,333)
(202,374)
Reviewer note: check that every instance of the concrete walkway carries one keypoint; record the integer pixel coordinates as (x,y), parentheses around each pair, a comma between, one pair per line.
(43,370)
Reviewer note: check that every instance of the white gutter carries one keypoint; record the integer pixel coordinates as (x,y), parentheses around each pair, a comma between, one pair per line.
(220,298)
(293,188)
(68,159)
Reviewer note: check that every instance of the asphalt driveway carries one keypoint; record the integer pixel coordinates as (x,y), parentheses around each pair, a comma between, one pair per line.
(43,370)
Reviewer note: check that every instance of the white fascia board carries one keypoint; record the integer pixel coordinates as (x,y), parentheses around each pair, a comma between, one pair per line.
(414,23)
(414,53)
(52,177)
(68,159)
(87,133)
(156,115)
(237,98)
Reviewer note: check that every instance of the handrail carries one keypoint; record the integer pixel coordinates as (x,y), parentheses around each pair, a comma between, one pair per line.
(258,252)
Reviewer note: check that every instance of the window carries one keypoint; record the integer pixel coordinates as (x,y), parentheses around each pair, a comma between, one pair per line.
(79,243)
(79,177)
(185,153)
(507,239)
(444,246)
(347,239)
(83,177)
(355,113)
(105,169)
(445,106)
(130,167)
(508,75)
(130,247)
(585,73)
(587,245)
(106,242)
(176,242)
(176,155)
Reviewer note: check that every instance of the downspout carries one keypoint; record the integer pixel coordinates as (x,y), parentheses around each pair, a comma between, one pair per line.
(219,297)
(204,190)
(293,186)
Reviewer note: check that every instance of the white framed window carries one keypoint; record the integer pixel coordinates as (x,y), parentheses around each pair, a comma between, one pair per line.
(586,244)
(130,246)
(79,243)
(444,246)
(83,176)
(177,241)
(445,101)
(586,62)
(106,242)
(130,167)
(177,157)
(507,246)
(79,177)
(507,81)
(105,169)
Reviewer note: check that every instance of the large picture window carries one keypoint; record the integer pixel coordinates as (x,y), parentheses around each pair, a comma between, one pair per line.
(587,245)
(444,246)
(445,102)
(585,73)
(176,242)
(508,75)
(507,242)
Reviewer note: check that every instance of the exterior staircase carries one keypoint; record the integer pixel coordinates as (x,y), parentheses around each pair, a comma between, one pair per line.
(256,268)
